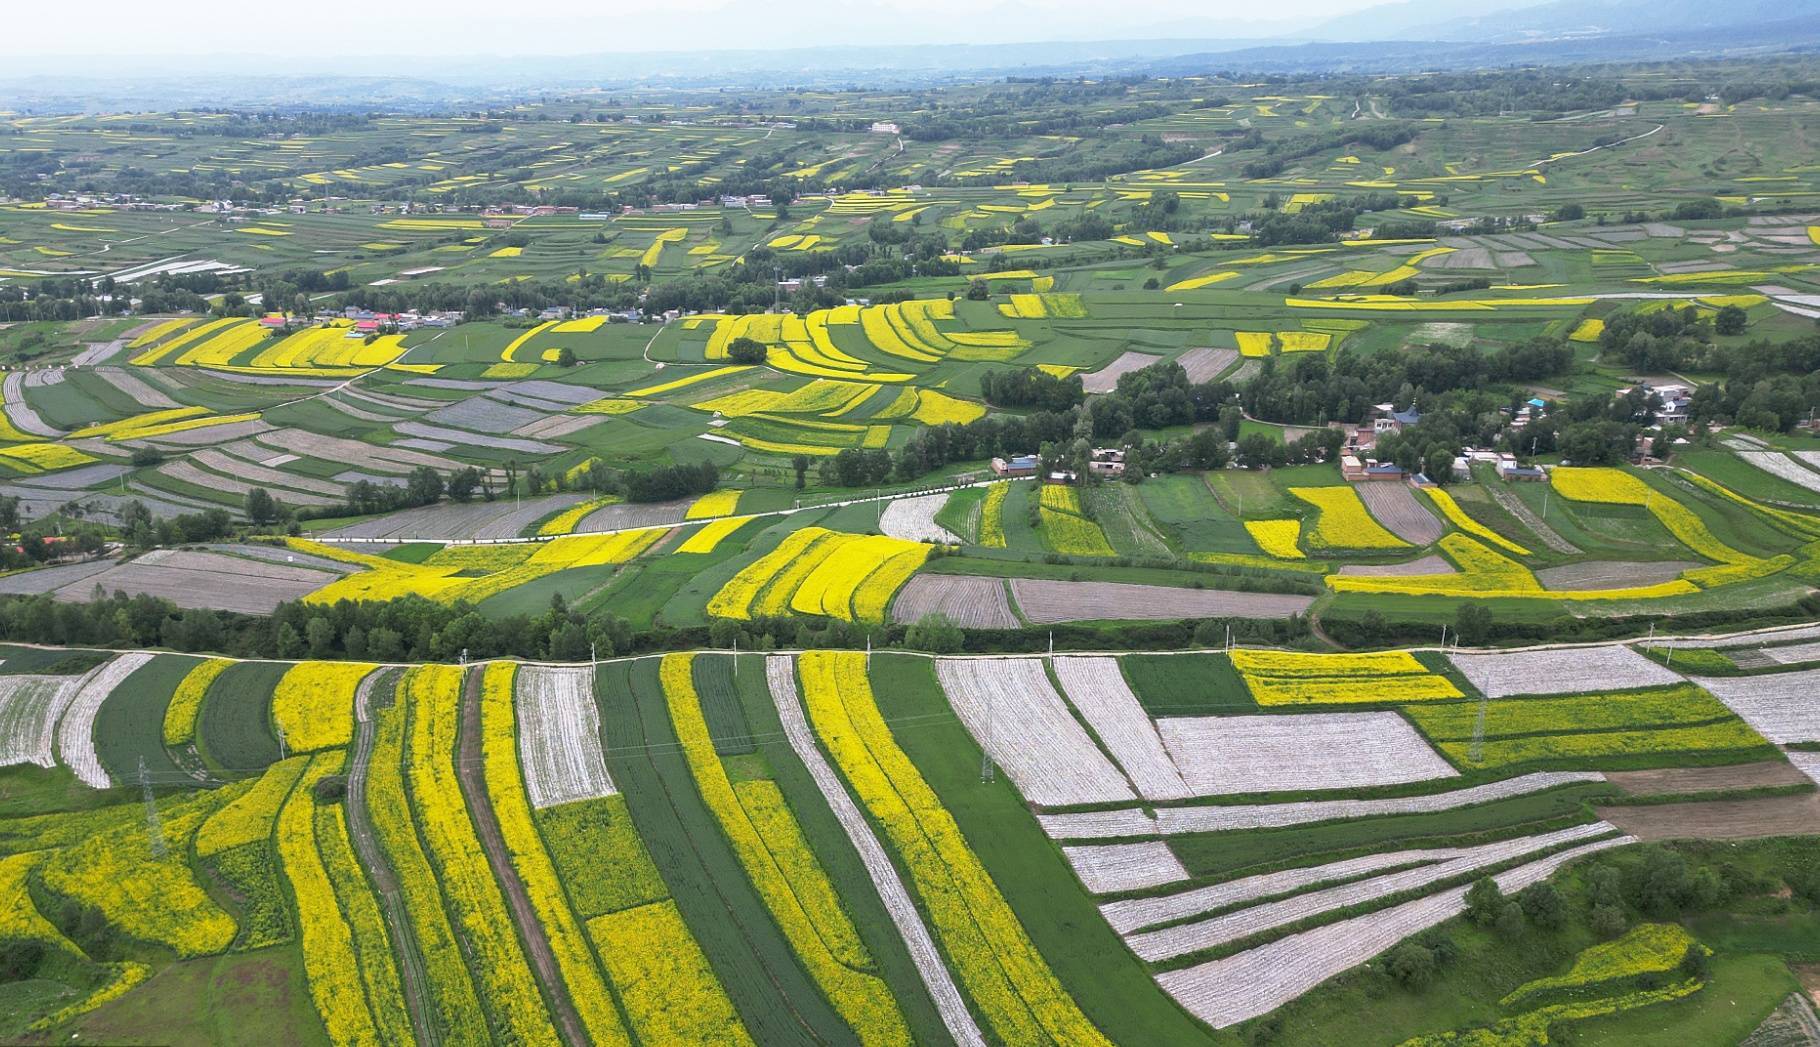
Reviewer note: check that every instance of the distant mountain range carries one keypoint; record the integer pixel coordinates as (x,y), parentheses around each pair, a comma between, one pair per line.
(1404,36)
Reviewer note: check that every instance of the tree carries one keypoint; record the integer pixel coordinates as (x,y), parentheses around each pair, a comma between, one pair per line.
(462,484)
(1730,321)
(1607,921)
(423,486)
(1484,901)
(260,508)
(1544,907)
(1411,965)
(319,633)
(1473,624)
(801,464)
(978,291)
(935,633)
(746,351)
(565,357)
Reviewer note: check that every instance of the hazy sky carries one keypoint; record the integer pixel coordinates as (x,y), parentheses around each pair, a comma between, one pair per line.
(324,28)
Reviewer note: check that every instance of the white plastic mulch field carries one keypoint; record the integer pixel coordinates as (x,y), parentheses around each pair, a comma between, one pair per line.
(1012,711)
(1783,707)
(1224,755)
(1098,689)
(1116,867)
(913,519)
(559,736)
(1565,671)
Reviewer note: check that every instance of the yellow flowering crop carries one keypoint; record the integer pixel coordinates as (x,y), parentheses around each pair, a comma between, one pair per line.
(39,457)
(329,961)
(934,408)
(186,702)
(1648,948)
(714,503)
(433,694)
(1343,522)
(1297,678)
(249,816)
(372,942)
(1254,343)
(818,571)
(992,515)
(152,899)
(313,704)
(670,992)
(990,951)
(505,789)
(20,919)
(1065,529)
(784,871)
(1279,538)
(1457,516)
(138,421)
(450,985)
(1298,663)
(475,572)
(708,537)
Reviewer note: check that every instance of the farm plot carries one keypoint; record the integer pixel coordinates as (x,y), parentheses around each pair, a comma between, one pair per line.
(1574,725)
(185,471)
(446,436)
(1343,522)
(1764,816)
(1106,379)
(1225,755)
(1205,364)
(816,571)
(1168,821)
(1563,671)
(1783,707)
(1612,574)
(52,578)
(1046,602)
(76,728)
(1119,867)
(969,602)
(559,736)
(1793,654)
(1773,462)
(30,707)
(1099,692)
(913,519)
(780,680)
(1184,939)
(1293,678)
(500,519)
(1010,708)
(203,580)
(1433,563)
(1227,991)
(1394,505)
(623,517)
(1134,914)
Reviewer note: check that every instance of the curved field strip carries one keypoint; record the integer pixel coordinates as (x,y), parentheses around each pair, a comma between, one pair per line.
(786,874)
(567,939)
(774,997)
(512,998)
(998,964)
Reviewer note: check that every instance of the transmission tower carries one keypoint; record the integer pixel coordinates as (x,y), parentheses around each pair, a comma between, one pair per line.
(154,828)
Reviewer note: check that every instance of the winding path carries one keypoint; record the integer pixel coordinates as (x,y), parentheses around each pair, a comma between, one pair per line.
(385,881)
(470,768)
